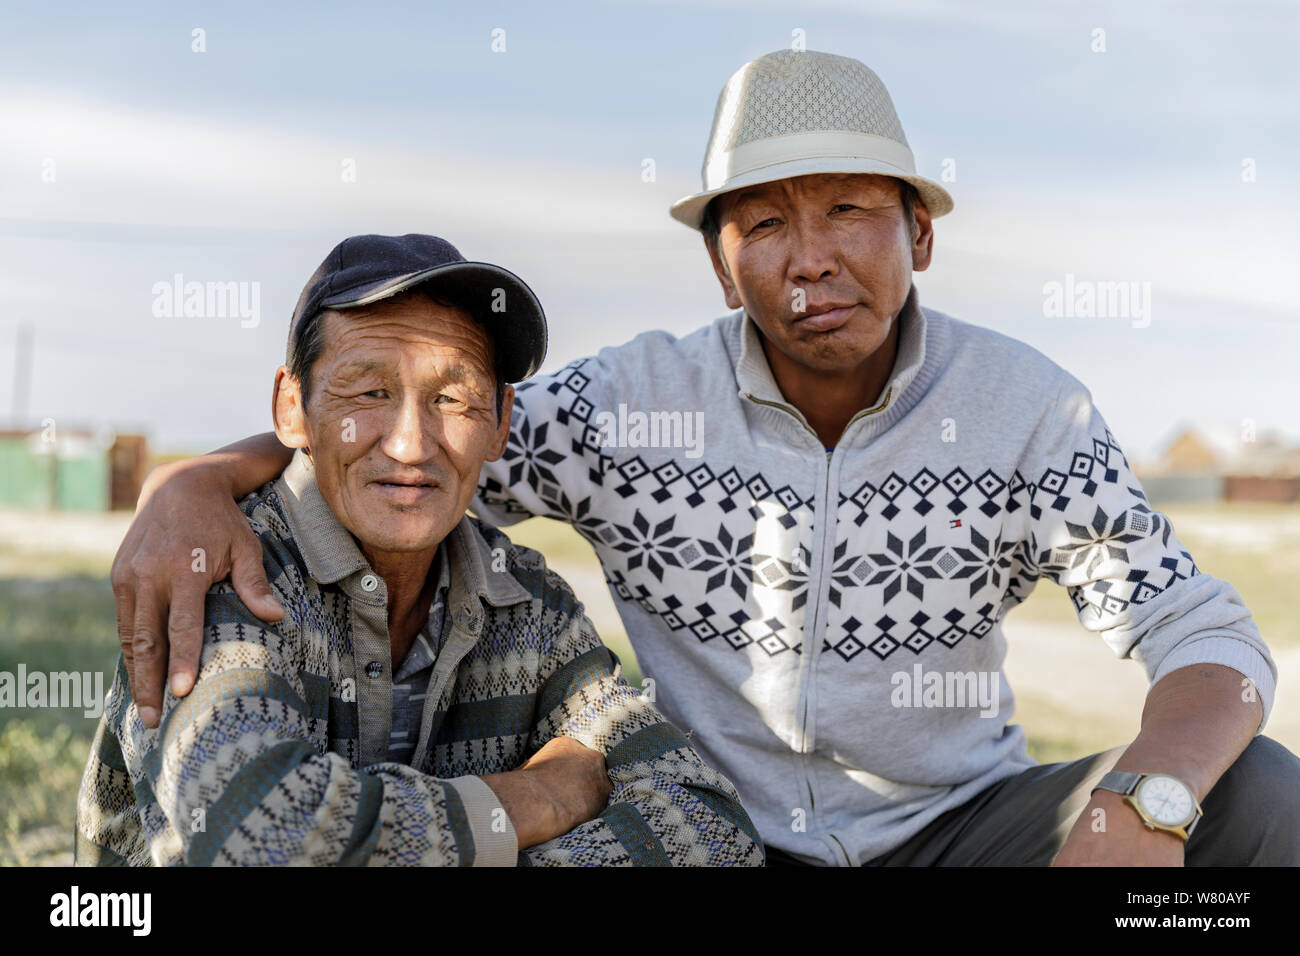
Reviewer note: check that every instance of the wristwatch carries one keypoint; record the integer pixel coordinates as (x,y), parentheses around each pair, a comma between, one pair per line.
(1163,802)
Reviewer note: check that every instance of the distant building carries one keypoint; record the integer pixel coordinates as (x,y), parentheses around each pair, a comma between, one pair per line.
(71,469)
(1220,463)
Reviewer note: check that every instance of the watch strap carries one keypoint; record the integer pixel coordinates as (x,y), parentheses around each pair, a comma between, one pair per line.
(1119,781)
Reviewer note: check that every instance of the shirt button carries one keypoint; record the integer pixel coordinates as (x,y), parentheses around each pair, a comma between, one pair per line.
(374,669)
(369,582)
(463,615)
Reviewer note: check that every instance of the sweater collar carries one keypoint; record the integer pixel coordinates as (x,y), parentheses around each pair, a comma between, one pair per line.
(754,374)
(332,553)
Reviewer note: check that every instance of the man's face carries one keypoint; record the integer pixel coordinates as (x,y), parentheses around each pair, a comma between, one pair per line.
(844,240)
(400,417)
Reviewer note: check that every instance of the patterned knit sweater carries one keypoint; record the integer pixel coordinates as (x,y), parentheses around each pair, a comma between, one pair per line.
(829,625)
(262,762)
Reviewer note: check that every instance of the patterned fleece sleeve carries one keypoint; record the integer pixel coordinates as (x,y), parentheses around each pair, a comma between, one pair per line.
(1131,580)
(552,464)
(234,775)
(667,807)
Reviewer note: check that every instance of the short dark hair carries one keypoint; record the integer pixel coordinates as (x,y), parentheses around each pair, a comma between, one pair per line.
(309,343)
(711,227)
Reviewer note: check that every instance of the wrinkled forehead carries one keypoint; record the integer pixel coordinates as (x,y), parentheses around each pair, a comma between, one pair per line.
(416,321)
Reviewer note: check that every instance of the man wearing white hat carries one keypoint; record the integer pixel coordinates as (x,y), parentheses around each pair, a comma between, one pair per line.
(815,581)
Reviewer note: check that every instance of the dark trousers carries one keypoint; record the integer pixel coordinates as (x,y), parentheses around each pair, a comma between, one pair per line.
(1252,816)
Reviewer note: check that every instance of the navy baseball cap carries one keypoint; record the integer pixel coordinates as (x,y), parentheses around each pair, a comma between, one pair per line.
(362,270)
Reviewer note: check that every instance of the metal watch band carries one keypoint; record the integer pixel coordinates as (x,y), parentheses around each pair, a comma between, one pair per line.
(1119,781)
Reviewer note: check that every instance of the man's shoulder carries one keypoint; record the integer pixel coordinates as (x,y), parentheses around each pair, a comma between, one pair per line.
(700,344)
(553,622)
(268,518)
(529,568)
(987,354)
(282,560)
(653,358)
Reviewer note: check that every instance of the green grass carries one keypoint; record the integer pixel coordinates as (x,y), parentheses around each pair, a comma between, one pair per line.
(59,624)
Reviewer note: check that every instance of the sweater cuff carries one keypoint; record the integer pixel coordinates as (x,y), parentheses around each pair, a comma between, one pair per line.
(1230,652)
(495,841)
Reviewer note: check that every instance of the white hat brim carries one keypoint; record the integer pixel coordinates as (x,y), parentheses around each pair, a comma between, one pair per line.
(690,209)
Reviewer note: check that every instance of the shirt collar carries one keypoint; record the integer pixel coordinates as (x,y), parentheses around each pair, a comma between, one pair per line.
(424,651)
(444,575)
(754,375)
(332,554)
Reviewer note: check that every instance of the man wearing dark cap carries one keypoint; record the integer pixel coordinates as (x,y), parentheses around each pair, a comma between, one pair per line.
(433,695)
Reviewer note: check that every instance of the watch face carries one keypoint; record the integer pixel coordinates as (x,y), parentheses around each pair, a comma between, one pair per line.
(1166,800)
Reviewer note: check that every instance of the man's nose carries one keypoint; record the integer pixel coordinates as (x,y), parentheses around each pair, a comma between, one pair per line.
(813,254)
(411,434)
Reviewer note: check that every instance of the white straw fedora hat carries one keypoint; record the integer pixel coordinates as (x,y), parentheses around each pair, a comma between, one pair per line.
(792,113)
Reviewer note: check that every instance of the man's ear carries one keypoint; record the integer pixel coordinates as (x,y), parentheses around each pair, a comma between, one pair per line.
(922,238)
(503,427)
(286,410)
(724,276)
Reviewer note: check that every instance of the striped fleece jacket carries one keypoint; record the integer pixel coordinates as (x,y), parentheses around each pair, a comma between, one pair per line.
(276,755)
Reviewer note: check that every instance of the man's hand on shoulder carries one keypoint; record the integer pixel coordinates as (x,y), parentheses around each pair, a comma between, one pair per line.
(1117,837)
(560,787)
(187,534)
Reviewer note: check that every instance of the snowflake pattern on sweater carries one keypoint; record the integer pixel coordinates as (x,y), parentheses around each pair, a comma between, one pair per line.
(999,569)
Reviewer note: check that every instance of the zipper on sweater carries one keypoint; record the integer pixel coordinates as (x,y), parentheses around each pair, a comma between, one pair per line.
(806,667)
(815,574)
(820,564)
(845,859)
(828,518)
(870,411)
(798,415)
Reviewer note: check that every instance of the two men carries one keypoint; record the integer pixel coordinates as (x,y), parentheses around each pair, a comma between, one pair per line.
(433,694)
(879,485)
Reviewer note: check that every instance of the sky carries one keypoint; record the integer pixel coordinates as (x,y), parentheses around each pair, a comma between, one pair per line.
(1165,158)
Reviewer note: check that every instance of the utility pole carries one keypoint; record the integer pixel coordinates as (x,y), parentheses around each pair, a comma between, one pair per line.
(22,374)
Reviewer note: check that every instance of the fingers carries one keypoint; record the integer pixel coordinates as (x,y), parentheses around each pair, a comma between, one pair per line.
(249,578)
(160,581)
(124,605)
(185,620)
(149,651)
(185,631)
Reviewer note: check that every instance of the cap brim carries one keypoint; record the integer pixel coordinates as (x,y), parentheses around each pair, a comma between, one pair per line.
(690,209)
(496,296)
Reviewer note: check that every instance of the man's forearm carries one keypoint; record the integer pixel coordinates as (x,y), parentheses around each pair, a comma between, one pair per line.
(1196,722)
(251,462)
(245,466)
(561,786)
(527,805)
